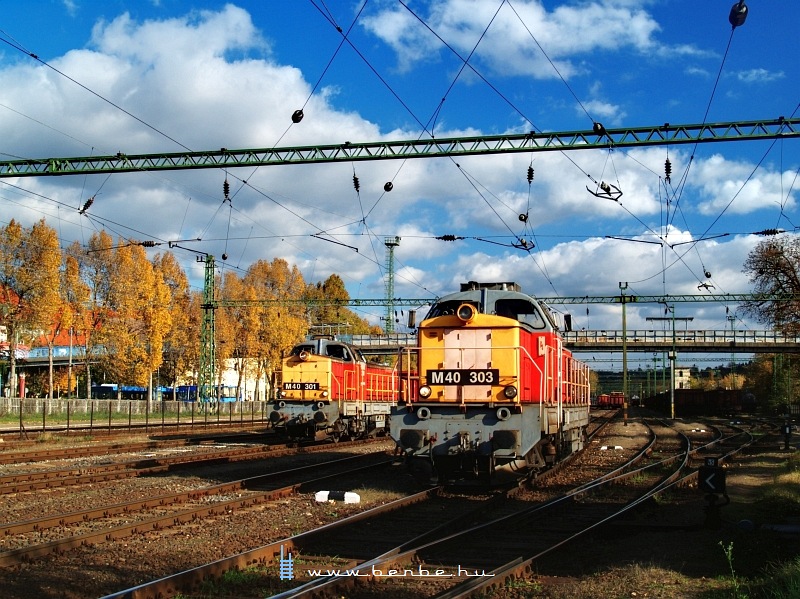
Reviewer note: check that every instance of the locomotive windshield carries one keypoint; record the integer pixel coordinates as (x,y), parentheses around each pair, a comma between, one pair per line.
(309,348)
(339,351)
(521,310)
(517,308)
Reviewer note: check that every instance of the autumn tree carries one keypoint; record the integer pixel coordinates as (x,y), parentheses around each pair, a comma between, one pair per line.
(282,321)
(328,302)
(138,318)
(773,268)
(74,304)
(237,321)
(94,271)
(29,280)
(184,331)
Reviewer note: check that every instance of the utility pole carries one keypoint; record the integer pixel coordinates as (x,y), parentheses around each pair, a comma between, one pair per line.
(672,355)
(624,299)
(390,243)
(205,382)
(732,319)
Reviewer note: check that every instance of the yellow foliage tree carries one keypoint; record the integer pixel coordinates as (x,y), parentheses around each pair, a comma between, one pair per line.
(29,282)
(179,339)
(280,325)
(138,318)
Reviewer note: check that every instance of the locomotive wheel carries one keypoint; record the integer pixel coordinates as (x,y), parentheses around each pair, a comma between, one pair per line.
(337,431)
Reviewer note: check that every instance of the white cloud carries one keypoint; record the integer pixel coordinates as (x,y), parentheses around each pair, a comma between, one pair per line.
(735,187)
(211,79)
(759,76)
(513,43)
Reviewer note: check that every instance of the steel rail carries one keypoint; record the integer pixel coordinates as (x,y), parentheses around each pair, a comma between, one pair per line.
(15,556)
(409,551)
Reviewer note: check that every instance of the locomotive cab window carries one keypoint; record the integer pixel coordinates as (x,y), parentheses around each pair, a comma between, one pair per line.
(308,348)
(338,351)
(521,310)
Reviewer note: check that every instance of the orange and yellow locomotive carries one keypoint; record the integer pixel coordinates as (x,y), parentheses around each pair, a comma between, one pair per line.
(495,393)
(330,391)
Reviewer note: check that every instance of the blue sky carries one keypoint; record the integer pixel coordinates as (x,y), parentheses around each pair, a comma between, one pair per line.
(206,75)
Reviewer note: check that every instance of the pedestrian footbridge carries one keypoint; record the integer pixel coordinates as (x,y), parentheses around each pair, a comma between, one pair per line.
(721,341)
(683,341)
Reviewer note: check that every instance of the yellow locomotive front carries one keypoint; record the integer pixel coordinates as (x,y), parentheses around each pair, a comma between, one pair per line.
(493,398)
(329,391)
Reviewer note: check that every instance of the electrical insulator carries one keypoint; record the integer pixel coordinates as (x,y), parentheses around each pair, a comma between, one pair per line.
(356,184)
(738,14)
(447,238)
(530,175)
(388,186)
(148,244)
(667,170)
(88,203)
(297,115)
(769,232)
(226,188)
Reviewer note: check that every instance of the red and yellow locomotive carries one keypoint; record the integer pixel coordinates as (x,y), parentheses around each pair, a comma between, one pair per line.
(495,391)
(329,391)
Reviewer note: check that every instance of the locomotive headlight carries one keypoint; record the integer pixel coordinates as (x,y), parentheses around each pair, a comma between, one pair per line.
(281,393)
(324,394)
(510,392)
(424,392)
(466,312)
(303,355)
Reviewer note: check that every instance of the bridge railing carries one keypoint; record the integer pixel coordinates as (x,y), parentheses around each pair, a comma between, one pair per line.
(714,337)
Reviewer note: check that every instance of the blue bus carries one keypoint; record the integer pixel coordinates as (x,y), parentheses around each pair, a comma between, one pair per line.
(225,393)
(114,391)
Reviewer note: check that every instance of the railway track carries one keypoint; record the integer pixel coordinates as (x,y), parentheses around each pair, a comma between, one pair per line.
(12,455)
(72,475)
(418,520)
(168,510)
(30,435)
